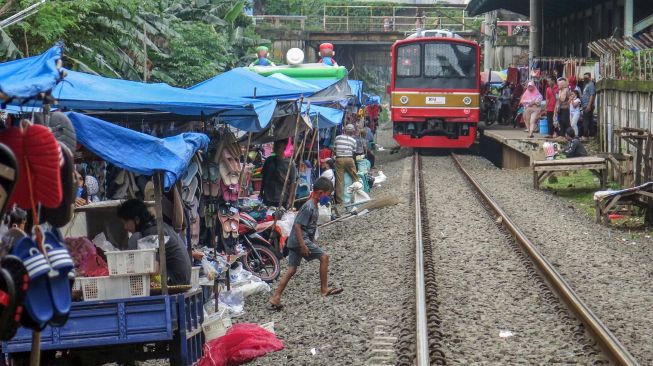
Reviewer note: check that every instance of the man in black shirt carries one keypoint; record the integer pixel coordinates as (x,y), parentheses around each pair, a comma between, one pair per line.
(138,220)
(274,175)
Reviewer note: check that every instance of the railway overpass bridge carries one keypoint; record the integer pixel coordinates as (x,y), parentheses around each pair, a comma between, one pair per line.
(362,35)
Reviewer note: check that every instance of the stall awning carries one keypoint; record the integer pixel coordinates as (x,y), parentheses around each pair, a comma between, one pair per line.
(27,77)
(326,117)
(138,152)
(241,82)
(370,99)
(86,92)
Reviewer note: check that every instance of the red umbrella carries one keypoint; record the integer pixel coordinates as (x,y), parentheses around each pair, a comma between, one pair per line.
(39,159)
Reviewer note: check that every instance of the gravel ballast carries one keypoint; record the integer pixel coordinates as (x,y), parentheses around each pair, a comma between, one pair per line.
(371,258)
(609,269)
(492,311)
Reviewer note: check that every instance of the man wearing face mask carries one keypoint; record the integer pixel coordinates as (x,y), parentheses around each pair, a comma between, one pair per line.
(302,243)
(587,103)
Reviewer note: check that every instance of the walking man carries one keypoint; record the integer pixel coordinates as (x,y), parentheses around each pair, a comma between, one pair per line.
(344,147)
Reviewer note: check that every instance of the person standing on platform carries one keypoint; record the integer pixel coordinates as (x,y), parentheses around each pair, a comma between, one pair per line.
(344,147)
(563,102)
(587,103)
(551,91)
(531,100)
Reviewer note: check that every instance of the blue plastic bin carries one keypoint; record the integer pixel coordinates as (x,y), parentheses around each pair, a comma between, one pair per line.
(544,126)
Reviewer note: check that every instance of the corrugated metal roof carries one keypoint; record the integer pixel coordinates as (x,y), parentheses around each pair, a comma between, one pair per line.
(549,7)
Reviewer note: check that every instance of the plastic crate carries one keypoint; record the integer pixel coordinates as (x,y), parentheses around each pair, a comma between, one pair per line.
(195,277)
(126,262)
(115,287)
(216,325)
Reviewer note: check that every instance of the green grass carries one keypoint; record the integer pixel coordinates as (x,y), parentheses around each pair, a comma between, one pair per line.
(578,187)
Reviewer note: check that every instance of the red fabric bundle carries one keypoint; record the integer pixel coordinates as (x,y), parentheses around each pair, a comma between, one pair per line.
(242,343)
(37,152)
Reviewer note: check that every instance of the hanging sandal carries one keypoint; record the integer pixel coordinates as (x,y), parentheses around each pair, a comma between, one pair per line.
(8,175)
(20,277)
(7,305)
(40,311)
(60,291)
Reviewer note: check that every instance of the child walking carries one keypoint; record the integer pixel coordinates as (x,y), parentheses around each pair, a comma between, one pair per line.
(301,243)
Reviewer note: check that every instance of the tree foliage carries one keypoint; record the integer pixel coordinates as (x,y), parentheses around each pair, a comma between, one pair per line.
(187,41)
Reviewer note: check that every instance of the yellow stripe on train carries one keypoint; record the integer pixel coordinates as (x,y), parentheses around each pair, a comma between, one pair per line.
(435,100)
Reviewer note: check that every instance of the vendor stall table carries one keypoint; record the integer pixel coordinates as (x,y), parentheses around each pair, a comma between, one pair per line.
(123,330)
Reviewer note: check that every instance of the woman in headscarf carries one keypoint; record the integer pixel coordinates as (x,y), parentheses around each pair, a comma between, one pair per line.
(531,100)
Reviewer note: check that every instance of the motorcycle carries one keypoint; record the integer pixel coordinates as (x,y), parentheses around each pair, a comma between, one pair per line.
(240,228)
(262,248)
(490,109)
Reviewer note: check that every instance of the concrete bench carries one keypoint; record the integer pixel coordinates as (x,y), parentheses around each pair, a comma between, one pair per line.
(542,169)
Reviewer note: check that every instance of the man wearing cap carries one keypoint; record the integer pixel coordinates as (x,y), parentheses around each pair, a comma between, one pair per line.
(262,54)
(344,147)
(326,55)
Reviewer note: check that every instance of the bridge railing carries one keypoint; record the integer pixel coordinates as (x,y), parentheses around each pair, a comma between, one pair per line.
(280,21)
(346,18)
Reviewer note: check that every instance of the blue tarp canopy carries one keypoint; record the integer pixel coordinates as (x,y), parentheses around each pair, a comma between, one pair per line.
(241,82)
(27,77)
(326,117)
(86,92)
(369,99)
(138,152)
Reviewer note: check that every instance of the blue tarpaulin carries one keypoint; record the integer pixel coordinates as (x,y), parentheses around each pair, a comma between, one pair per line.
(27,77)
(369,99)
(86,92)
(241,82)
(356,87)
(138,152)
(326,117)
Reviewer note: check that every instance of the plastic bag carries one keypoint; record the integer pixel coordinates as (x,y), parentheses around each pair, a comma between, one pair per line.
(286,223)
(150,242)
(101,242)
(324,214)
(234,301)
(242,343)
(380,178)
(356,190)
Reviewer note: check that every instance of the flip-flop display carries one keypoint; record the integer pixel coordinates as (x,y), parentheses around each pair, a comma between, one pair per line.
(7,302)
(8,175)
(20,277)
(38,268)
(62,264)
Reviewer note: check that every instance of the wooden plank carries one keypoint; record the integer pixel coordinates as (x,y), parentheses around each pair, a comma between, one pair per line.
(583,160)
(569,167)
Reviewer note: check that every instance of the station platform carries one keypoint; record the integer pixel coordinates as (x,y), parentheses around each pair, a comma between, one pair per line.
(510,148)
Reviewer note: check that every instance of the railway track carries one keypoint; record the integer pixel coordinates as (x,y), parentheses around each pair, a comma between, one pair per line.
(421,339)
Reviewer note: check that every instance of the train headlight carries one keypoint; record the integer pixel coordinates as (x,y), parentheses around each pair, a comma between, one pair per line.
(403,99)
(467,100)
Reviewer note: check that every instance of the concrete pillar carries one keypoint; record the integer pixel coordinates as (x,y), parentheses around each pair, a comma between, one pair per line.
(488,48)
(535,41)
(628,17)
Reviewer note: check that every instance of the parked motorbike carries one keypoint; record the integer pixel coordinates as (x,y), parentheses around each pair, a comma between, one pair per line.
(490,109)
(239,228)
(261,258)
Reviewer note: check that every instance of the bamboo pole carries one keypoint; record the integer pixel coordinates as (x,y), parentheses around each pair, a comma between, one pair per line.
(294,141)
(158,204)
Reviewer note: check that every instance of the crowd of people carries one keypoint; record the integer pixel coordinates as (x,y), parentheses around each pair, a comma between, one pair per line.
(564,102)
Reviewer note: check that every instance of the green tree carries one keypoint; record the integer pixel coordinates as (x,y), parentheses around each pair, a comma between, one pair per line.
(186,40)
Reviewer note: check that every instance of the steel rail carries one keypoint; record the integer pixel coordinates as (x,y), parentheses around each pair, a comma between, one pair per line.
(420,288)
(609,343)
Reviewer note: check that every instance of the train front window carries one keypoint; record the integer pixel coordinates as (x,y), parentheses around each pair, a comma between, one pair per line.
(445,66)
(409,61)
